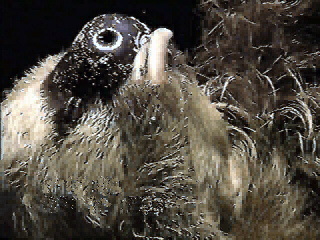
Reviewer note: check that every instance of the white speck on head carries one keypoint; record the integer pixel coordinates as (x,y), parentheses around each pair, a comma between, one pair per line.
(104,60)
(143,24)
(79,38)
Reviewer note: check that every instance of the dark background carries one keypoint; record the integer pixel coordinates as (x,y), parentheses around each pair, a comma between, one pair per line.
(33,29)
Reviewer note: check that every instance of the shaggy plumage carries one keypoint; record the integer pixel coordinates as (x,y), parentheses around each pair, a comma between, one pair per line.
(235,158)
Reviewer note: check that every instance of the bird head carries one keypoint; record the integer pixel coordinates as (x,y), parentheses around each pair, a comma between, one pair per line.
(108,50)
(105,53)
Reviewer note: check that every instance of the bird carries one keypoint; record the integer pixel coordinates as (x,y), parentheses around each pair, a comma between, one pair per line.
(53,95)
(98,61)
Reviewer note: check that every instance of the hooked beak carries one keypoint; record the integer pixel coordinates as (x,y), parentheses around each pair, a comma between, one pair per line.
(156,50)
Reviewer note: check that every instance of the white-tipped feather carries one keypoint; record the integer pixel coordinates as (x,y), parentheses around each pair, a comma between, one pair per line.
(23,117)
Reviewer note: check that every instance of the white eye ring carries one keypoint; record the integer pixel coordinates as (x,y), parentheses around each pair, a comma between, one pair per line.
(104,47)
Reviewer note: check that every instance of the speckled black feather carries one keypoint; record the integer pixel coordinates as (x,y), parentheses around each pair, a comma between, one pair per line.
(86,72)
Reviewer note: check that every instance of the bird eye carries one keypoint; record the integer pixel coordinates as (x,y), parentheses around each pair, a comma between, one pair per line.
(107,39)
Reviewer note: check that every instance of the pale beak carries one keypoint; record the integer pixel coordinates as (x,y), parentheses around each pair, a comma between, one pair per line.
(157,51)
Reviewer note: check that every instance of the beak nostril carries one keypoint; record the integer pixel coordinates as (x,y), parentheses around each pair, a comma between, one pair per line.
(144,39)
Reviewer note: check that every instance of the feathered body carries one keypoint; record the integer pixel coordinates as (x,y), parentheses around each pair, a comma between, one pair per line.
(54,94)
(235,158)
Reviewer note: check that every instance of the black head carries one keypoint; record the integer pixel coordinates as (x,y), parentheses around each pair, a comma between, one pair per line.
(112,35)
(97,63)
(101,55)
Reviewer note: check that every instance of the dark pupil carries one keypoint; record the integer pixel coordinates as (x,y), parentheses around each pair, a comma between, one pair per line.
(107,37)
